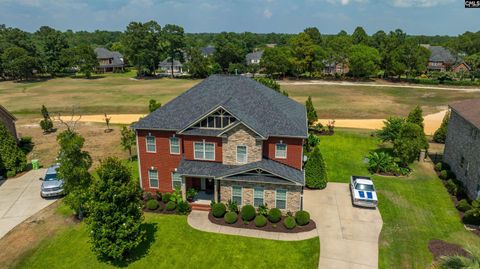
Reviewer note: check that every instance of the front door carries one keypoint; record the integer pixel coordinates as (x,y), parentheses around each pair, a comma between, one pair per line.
(209,185)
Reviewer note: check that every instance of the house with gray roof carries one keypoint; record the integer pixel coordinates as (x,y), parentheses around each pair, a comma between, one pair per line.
(166,66)
(230,138)
(208,51)
(109,61)
(462,145)
(254,57)
(441,60)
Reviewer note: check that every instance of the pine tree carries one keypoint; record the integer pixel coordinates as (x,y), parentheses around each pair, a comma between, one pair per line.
(115,211)
(311,112)
(12,158)
(415,116)
(46,124)
(440,134)
(316,171)
(127,140)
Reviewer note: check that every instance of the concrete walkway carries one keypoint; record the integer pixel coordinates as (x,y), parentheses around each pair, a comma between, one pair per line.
(199,220)
(20,199)
(348,235)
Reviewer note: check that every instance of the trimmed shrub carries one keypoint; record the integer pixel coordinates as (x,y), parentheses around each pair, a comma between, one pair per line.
(231,217)
(166,197)
(302,217)
(218,210)
(183,208)
(152,204)
(171,206)
(260,221)
(472,217)
(443,174)
(463,205)
(438,167)
(451,187)
(248,212)
(316,171)
(274,215)
(289,222)
(158,195)
(147,196)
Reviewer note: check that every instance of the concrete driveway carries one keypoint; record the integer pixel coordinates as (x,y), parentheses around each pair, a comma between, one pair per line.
(348,235)
(20,199)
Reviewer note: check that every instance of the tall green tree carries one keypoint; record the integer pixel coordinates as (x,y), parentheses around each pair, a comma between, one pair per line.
(142,43)
(391,52)
(440,134)
(228,50)
(316,170)
(410,141)
(391,129)
(12,158)
(175,43)
(363,61)
(74,165)
(198,66)
(83,57)
(51,42)
(115,212)
(311,112)
(17,63)
(275,61)
(415,57)
(127,140)
(272,84)
(314,34)
(416,116)
(339,47)
(359,36)
(305,55)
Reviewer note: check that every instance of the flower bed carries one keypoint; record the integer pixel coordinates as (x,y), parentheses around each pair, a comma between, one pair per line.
(167,203)
(247,218)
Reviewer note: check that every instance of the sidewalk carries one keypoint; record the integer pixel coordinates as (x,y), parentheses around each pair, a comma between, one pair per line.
(199,220)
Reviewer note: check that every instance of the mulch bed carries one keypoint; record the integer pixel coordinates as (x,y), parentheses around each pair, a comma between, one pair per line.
(268,228)
(160,210)
(440,248)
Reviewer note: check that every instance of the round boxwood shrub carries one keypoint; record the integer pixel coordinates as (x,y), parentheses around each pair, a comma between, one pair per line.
(289,222)
(147,196)
(260,221)
(451,187)
(248,212)
(218,210)
(443,174)
(171,206)
(158,195)
(152,204)
(302,217)
(231,217)
(274,215)
(463,205)
(438,167)
(472,216)
(166,197)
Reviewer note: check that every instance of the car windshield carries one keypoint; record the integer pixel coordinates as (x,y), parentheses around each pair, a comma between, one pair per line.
(364,187)
(50,177)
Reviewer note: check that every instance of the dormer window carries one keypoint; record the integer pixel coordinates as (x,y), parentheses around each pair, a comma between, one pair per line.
(217,120)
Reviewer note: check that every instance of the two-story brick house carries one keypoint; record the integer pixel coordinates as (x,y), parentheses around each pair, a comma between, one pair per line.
(462,145)
(229,137)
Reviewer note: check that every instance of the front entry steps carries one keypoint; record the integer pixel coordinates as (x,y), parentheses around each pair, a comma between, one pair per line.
(200,207)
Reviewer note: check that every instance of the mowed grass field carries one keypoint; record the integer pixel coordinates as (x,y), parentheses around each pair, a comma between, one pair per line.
(121,94)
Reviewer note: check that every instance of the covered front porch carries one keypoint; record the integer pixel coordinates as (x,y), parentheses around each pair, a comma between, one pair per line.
(206,190)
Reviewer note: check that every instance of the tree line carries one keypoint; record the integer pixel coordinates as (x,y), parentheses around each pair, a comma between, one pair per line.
(51,52)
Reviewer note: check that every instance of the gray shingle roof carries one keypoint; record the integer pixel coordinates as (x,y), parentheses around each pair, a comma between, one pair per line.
(103,53)
(469,110)
(208,51)
(168,63)
(257,55)
(264,110)
(281,173)
(441,54)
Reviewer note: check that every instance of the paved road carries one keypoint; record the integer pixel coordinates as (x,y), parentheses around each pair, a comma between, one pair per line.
(348,235)
(20,199)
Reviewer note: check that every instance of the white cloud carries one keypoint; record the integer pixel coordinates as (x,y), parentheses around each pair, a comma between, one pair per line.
(420,3)
(346,2)
(267,13)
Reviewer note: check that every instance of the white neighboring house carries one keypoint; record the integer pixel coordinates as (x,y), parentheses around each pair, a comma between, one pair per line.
(166,66)
(254,57)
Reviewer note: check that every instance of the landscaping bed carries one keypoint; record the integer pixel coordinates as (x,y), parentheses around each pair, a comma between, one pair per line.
(165,203)
(440,248)
(269,227)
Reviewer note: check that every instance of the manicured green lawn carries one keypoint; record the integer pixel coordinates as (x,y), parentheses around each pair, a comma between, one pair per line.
(414,209)
(174,244)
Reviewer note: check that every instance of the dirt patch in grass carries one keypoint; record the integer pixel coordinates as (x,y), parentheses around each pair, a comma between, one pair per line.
(270,227)
(440,248)
(24,238)
(98,143)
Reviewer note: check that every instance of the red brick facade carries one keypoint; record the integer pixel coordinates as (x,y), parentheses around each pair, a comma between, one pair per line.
(294,150)
(188,146)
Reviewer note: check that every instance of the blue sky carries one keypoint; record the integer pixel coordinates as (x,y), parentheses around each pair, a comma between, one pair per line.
(429,17)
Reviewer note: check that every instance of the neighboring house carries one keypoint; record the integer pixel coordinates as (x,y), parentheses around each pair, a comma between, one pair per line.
(441,60)
(8,120)
(254,57)
(109,61)
(332,68)
(462,146)
(229,137)
(208,51)
(166,66)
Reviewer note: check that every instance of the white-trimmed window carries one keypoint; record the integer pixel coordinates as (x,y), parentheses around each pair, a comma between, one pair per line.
(176,181)
(257,196)
(204,151)
(241,154)
(281,150)
(153,178)
(174,145)
(150,141)
(237,195)
(281,198)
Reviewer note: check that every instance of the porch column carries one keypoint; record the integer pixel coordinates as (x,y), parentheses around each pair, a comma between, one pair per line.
(184,189)
(215,190)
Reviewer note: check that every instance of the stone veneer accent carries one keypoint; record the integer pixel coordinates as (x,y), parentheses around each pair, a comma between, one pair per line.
(294,193)
(463,140)
(241,135)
